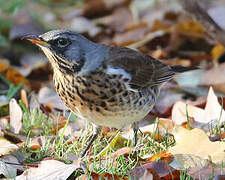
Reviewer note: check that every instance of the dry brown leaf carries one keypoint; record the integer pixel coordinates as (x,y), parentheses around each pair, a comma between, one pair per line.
(16,77)
(15,113)
(94,8)
(196,142)
(12,74)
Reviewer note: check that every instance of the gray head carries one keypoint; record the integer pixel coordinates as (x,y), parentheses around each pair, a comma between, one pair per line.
(69,51)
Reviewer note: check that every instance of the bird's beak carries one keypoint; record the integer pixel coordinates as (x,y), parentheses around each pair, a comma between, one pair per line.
(36,40)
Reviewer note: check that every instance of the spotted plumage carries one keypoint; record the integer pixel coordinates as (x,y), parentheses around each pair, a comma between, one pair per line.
(108,86)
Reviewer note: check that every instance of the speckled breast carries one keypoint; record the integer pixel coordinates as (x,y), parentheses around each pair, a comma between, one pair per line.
(105,99)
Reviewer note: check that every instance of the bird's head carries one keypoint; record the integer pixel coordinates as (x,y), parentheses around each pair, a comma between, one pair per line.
(67,51)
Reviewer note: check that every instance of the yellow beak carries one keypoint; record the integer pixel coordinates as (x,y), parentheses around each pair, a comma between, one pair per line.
(36,40)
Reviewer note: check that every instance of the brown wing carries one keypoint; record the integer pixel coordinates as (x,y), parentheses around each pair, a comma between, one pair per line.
(144,70)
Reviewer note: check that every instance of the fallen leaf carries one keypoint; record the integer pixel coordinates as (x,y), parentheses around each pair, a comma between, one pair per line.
(206,119)
(15,114)
(15,77)
(3,65)
(217,51)
(6,146)
(199,172)
(163,156)
(190,28)
(50,169)
(9,165)
(186,161)
(159,170)
(196,142)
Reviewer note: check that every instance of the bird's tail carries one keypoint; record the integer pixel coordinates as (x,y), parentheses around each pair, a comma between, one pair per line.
(180,69)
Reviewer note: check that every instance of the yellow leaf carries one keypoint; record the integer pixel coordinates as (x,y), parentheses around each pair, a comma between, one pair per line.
(190,28)
(217,51)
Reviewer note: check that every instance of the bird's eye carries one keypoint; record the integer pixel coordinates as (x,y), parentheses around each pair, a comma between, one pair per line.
(62,42)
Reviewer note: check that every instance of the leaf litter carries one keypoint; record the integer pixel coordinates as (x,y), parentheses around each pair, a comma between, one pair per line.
(186,140)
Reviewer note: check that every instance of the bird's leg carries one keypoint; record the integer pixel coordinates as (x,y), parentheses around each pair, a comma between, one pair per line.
(135,129)
(96,130)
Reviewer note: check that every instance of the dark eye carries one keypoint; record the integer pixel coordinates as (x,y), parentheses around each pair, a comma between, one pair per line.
(62,42)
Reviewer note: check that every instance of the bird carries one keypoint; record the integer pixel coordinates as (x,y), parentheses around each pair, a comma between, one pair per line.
(104,85)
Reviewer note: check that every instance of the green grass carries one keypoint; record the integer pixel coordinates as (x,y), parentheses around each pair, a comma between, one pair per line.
(58,147)
(36,122)
(184,176)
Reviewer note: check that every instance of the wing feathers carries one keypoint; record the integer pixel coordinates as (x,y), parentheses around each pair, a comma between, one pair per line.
(145,71)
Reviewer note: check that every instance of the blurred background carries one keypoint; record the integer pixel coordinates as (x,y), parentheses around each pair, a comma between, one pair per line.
(188,33)
(35,122)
